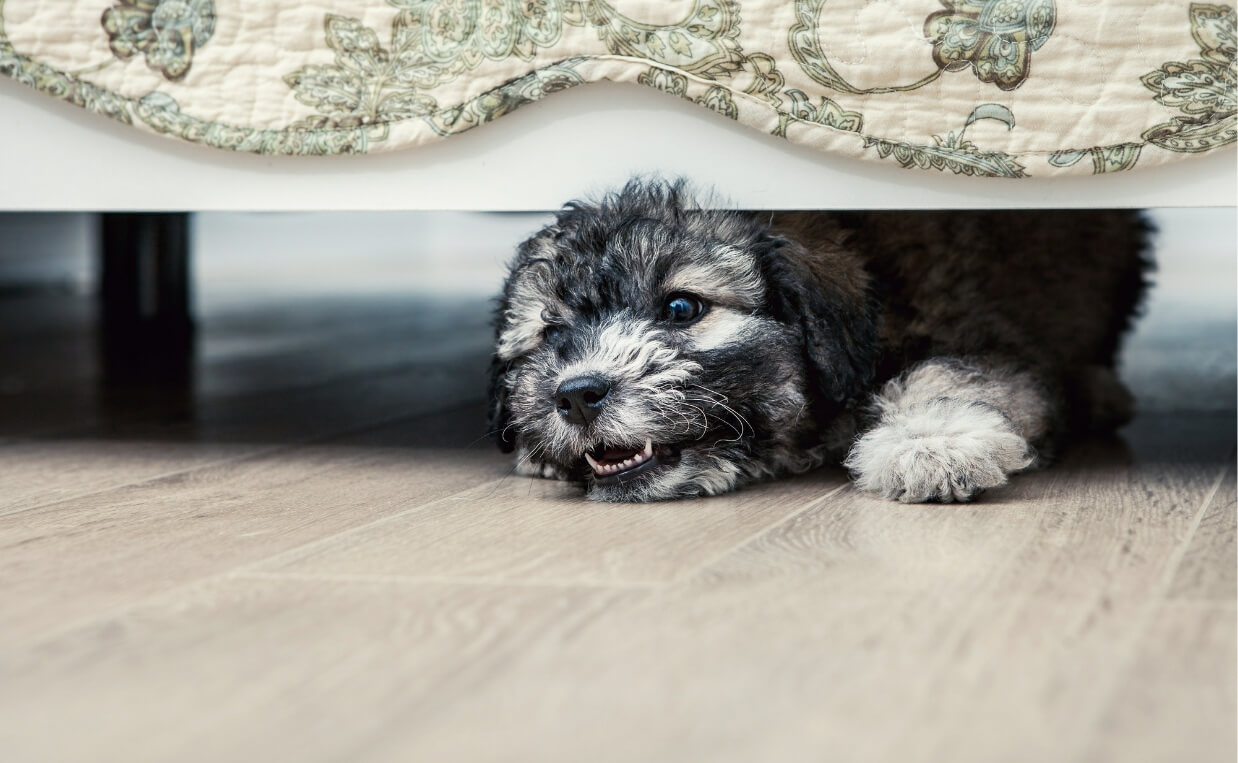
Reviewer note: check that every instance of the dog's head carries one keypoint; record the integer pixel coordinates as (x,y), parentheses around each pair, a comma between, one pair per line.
(653,349)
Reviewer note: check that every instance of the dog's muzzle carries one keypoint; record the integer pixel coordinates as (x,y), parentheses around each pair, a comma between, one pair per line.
(579,401)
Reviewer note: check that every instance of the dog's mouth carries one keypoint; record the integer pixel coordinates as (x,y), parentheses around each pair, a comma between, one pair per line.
(616,465)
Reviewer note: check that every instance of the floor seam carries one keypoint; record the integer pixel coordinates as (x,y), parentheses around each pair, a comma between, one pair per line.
(251,456)
(293,553)
(207,580)
(151,478)
(758,534)
(1156,601)
(330,577)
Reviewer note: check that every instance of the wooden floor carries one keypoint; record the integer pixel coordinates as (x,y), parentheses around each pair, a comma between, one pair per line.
(312,556)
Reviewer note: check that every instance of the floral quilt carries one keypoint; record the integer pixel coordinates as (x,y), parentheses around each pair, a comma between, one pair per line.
(1005,88)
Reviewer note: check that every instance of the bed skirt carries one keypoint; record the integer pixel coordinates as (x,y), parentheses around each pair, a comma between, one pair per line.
(998,88)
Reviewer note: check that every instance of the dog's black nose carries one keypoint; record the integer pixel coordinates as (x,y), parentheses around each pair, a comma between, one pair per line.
(580,399)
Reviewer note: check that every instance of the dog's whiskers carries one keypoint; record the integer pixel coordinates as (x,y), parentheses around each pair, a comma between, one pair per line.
(719,400)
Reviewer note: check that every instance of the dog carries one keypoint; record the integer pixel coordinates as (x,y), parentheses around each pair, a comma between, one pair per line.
(651,347)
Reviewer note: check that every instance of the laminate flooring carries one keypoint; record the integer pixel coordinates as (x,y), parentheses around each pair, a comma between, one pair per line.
(313,554)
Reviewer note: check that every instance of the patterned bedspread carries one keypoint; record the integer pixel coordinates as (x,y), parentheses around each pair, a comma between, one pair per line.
(1008,88)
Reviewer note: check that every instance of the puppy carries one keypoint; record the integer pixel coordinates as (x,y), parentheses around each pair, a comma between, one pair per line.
(649,348)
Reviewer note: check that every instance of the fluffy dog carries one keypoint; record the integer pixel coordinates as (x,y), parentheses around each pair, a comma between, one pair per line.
(651,348)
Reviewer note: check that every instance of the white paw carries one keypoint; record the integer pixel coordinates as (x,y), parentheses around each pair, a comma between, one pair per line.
(941,450)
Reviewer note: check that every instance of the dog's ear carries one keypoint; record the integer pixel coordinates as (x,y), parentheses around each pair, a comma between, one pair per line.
(497,388)
(823,291)
(531,253)
(500,413)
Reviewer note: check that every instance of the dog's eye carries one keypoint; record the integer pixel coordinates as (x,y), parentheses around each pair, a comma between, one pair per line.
(682,308)
(552,333)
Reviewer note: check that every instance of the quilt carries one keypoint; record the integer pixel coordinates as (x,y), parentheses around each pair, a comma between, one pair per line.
(994,88)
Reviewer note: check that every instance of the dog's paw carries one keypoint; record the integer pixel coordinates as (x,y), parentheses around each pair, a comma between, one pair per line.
(943,450)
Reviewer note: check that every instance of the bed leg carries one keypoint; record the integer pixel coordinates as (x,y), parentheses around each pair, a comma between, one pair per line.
(146,331)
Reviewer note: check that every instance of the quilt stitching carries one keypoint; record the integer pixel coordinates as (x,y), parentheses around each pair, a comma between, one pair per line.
(371,88)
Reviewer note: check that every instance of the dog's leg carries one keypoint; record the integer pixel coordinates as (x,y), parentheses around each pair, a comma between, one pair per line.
(949,429)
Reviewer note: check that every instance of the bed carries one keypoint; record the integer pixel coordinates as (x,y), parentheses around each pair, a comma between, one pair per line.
(840,103)
(172,105)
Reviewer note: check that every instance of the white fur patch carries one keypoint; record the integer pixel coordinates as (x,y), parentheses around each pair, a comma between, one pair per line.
(731,276)
(528,466)
(633,351)
(721,326)
(524,325)
(1012,392)
(525,316)
(945,449)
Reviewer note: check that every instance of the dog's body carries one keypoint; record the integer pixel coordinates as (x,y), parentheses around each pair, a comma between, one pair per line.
(654,350)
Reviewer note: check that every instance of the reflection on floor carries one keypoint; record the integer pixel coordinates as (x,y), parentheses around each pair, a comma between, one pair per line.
(315,554)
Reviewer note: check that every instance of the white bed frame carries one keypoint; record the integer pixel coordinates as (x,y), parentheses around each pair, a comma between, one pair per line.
(58,157)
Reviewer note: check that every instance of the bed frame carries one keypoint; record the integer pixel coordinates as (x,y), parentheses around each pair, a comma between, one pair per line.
(531,160)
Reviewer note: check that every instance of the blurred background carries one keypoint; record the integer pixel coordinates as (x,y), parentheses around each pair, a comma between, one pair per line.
(297,312)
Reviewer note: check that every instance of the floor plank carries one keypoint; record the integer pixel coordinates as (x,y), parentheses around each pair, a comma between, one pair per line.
(1177,700)
(528,530)
(1208,570)
(244,670)
(90,555)
(865,630)
(106,455)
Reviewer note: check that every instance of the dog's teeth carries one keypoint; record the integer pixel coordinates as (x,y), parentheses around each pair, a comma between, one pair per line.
(604,468)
